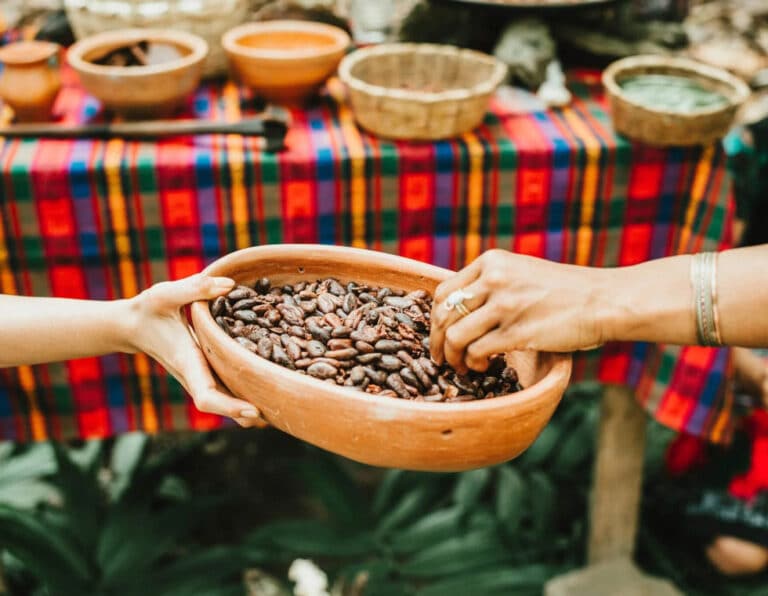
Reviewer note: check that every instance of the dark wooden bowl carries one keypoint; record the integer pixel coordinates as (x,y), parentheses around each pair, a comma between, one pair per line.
(375,430)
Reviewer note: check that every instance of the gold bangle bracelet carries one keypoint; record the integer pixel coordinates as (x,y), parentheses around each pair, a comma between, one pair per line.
(704,285)
(718,340)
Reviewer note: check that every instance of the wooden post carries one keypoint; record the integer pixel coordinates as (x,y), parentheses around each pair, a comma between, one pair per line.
(614,507)
(618,476)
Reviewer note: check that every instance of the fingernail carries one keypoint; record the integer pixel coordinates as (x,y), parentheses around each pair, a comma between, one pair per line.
(223,282)
(249,413)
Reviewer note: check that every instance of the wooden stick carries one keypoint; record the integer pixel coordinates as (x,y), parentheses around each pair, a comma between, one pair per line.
(272,129)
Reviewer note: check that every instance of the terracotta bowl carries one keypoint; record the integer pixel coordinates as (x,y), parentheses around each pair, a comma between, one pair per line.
(140,91)
(375,430)
(284,61)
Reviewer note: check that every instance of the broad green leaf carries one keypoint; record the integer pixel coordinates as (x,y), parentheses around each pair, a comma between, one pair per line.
(510,499)
(428,530)
(501,580)
(126,456)
(47,554)
(174,488)
(460,554)
(305,538)
(213,571)
(386,587)
(84,503)
(412,503)
(34,463)
(156,466)
(87,457)
(576,448)
(134,538)
(481,518)
(391,483)
(6,449)
(543,447)
(470,486)
(27,494)
(543,503)
(380,578)
(327,480)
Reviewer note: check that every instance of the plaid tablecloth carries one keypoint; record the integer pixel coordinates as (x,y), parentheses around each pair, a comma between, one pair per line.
(106,219)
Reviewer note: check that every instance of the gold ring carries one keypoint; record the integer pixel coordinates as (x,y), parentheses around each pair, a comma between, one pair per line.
(463,310)
(456,300)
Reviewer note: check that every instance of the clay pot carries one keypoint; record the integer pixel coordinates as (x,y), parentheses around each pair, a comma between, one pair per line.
(284,61)
(375,430)
(151,91)
(30,79)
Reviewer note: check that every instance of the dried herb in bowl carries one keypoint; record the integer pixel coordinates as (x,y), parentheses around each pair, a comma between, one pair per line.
(373,339)
(671,93)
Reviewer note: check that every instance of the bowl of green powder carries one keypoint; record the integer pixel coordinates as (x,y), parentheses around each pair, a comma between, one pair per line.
(660,100)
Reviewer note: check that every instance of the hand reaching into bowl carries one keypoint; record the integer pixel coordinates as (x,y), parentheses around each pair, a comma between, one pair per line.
(38,330)
(504,301)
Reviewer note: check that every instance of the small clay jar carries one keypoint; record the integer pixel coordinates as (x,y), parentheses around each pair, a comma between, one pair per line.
(30,79)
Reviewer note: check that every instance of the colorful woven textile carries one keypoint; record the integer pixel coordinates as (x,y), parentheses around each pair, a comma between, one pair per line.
(101,220)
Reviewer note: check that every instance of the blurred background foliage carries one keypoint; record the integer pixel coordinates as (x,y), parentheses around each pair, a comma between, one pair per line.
(191,514)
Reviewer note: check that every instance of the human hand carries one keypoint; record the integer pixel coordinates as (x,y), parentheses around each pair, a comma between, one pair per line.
(518,303)
(158,327)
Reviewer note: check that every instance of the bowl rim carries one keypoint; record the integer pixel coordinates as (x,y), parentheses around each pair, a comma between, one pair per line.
(615,69)
(427,97)
(559,373)
(194,42)
(29,50)
(230,39)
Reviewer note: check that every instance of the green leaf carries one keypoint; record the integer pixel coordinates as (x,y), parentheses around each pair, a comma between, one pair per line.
(127,453)
(502,580)
(47,554)
(7,448)
(380,576)
(134,537)
(577,447)
(174,488)
(414,502)
(87,457)
(34,463)
(156,466)
(460,554)
(84,503)
(470,486)
(27,494)
(543,447)
(304,538)
(327,480)
(385,495)
(428,530)
(213,571)
(510,497)
(543,503)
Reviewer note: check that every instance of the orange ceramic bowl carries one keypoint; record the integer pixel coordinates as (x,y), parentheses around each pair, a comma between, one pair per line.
(381,431)
(151,91)
(284,61)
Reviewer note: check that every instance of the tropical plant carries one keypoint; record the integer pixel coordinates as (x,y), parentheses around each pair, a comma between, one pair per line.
(117,523)
(499,530)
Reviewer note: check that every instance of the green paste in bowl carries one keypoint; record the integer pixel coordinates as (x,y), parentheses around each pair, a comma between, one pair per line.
(671,93)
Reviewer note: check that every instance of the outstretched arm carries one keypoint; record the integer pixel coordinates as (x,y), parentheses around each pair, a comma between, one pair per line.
(38,330)
(520,302)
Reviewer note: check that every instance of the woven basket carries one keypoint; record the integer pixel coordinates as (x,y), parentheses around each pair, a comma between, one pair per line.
(667,128)
(420,91)
(208,19)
